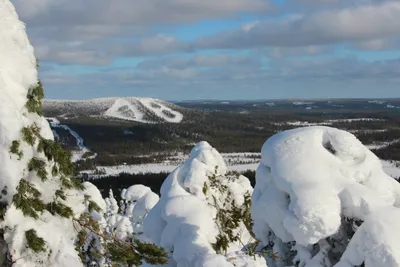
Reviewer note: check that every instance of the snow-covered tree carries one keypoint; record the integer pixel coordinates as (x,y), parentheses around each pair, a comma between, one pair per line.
(203,216)
(126,222)
(46,216)
(322,199)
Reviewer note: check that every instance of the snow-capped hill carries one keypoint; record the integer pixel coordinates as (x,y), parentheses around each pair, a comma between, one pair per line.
(145,110)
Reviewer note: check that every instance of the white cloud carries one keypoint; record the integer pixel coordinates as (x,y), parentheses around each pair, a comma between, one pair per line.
(128,12)
(360,23)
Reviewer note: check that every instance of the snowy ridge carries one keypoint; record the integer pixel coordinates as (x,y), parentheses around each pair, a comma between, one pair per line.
(139,109)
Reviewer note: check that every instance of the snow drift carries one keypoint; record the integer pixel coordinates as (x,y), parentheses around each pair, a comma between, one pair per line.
(315,186)
(184,220)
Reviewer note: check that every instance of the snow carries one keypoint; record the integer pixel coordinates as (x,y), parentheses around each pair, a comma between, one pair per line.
(183,222)
(76,155)
(17,75)
(122,108)
(159,108)
(391,106)
(308,179)
(381,145)
(327,122)
(377,102)
(376,242)
(136,202)
(301,103)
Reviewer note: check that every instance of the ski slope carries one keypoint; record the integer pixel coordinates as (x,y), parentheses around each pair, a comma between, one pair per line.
(137,109)
(76,155)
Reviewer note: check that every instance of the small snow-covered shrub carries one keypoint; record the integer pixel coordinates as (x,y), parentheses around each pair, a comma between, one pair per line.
(322,199)
(126,221)
(203,216)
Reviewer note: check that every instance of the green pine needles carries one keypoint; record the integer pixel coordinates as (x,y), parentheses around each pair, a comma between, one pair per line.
(35,97)
(27,199)
(39,166)
(230,216)
(15,149)
(35,243)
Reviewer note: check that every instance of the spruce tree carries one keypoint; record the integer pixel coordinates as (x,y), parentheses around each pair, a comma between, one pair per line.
(46,215)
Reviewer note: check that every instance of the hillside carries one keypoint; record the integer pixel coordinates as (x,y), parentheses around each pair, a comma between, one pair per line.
(94,130)
(137,109)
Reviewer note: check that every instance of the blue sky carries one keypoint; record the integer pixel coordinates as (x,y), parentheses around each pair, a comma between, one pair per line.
(206,49)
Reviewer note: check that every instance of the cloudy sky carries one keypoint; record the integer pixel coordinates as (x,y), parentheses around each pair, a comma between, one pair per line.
(216,49)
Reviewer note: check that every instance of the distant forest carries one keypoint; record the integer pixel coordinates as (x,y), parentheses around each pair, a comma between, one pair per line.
(118,142)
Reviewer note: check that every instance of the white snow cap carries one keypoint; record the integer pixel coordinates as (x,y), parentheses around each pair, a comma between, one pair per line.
(183,222)
(310,178)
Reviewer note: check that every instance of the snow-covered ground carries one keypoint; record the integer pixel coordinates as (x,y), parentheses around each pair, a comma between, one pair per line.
(325,123)
(240,163)
(76,154)
(382,144)
(235,162)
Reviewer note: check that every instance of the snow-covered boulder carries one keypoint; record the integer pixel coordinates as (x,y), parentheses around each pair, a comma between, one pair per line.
(314,187)
(186,219)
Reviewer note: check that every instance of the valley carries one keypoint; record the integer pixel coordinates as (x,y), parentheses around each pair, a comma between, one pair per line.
(115,137)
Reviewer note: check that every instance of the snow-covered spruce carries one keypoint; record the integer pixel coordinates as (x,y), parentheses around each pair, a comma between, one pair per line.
(46,216)
(126,221)
(322,199)
(203,216)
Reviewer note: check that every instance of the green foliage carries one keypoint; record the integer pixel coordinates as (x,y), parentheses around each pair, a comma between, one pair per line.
(76,184)
(230,216)
(127,253)
(35,97)
(58,208)
(54,151)
(151,253)
(39,166)
(121,252)
(3,209)
(14,149)
(27,199)
(92,206)
(60,194)
(29,134)
(35,243)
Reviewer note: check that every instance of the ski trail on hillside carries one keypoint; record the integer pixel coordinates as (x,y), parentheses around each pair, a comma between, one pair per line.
(161,110)
(76,155)
(123,109)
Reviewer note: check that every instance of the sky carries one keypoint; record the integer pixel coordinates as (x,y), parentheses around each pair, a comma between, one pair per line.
(215,49)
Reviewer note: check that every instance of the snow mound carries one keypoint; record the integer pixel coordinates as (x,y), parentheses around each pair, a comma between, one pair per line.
(312,179)
(183,222)
(139,109)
